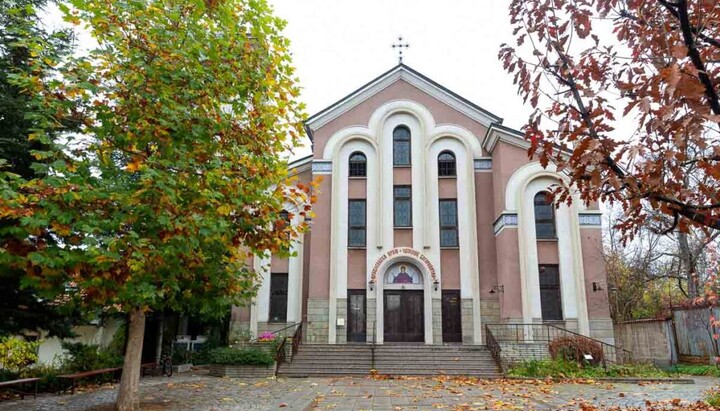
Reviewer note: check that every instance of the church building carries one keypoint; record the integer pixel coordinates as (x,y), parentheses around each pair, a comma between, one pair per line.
(430,223)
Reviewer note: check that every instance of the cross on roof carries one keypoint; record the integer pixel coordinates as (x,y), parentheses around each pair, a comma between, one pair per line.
(400,46)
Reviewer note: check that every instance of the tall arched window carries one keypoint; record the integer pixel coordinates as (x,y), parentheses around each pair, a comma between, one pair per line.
(401,146)
(358,164)
(446,164)
(544,216)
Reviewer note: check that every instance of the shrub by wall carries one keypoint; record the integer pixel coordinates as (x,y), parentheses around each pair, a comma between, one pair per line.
(575,349)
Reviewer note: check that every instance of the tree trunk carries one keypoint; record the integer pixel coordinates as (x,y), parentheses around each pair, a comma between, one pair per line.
(687,264)
(128,398)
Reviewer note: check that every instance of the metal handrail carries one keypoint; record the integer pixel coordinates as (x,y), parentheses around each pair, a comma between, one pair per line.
(256,339)
(494,347)
(523,333)
(296,340)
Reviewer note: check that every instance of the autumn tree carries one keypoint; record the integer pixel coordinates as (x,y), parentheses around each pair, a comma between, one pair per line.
(626,102)
(22,33)
(175,177)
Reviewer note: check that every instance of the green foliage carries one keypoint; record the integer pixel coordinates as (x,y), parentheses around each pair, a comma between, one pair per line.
(696,369)
(574,349)
(181,355)
(234,356)
(27,48)
(713,397)
(560,368)
(48,374)
(16,353)
(82,357)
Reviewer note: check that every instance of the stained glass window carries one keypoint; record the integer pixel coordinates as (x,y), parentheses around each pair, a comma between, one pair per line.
(402,206)
(401,146)
(446,164)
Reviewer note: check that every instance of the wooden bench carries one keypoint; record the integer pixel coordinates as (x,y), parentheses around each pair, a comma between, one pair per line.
(148,366)
(23,381)
(85,374)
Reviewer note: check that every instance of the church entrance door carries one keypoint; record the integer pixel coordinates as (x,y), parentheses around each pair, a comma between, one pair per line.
(404,311)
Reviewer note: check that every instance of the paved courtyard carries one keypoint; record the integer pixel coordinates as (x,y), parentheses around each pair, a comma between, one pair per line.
(199,391)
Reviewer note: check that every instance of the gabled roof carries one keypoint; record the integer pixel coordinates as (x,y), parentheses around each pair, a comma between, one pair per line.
(400,72)
(498,132)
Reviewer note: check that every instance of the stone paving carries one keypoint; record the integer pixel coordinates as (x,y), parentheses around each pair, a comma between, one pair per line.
(198,391)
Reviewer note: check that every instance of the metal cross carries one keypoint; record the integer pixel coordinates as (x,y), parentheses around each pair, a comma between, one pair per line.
(400,46)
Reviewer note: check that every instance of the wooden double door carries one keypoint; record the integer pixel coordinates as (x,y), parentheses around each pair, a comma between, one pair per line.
(404,316)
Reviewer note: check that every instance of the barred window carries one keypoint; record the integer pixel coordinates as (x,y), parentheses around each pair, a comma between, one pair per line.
(356,223)
(401,146)
(446,164)
(448,223)
(358,165)
(402,206)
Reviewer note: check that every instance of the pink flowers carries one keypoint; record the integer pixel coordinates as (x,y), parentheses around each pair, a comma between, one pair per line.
(266,336)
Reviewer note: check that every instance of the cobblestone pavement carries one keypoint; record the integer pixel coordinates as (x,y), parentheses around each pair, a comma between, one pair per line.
(198,391)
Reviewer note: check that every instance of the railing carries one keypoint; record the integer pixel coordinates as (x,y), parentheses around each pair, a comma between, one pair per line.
(529,333)
(280,332)
(296,340)
(280,354)
(494,347)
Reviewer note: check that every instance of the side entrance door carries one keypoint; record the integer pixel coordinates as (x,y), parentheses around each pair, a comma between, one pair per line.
(404,316)
(451,326)
(356,331)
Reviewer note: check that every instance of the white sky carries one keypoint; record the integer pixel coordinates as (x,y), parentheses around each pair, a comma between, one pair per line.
(339,45)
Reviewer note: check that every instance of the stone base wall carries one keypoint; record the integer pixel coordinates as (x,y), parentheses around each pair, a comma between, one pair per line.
(437,320)
(602,329)
(518,352)
(370,314)
(341,330)
(242,371)
(466,319)
(489,314)
(239,330)
(316,330)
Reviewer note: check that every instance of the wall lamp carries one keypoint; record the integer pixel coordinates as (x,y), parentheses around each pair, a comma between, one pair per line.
(371,284)
(497,288)
(436,284)
(597,287)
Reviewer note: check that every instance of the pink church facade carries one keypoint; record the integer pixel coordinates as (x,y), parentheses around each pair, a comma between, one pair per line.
(431,222)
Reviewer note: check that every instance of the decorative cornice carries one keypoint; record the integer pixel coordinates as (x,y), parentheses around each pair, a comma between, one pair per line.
(590,219)
(505,219)
(483,164)
(498,132)
(322,167)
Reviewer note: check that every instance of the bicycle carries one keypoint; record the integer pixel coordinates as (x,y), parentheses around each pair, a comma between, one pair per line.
(166,364)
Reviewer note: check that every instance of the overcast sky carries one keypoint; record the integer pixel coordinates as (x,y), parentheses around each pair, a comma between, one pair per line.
(340,45)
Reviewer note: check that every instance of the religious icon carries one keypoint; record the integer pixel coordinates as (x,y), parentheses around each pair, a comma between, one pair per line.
(403,277)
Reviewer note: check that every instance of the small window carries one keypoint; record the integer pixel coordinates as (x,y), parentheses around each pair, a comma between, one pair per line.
(401,146)
(358,165)
(544,216)
(448,223)
(278,297)
(446,164)
(402,206)
(356,223)
(550,297)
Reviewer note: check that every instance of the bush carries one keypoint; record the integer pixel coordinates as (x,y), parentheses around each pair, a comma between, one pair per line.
(560,368)
(16,353)
(233,356)
(49,382)
(82,357)
(697,369)
(575,348)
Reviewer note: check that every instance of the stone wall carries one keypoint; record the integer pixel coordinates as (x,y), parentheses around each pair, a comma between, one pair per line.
(370,314)
(518,352)
(466,319)
(437,321)
(242,371)
(648,340)
(341,330)
(602,329)
(317,321)
(489,314)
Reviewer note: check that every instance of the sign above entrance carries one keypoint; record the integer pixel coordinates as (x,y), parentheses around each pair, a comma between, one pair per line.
(395,252)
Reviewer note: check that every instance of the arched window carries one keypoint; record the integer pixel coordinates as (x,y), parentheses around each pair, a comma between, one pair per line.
(446,164)
(358,164)
(544,216)
(401,146)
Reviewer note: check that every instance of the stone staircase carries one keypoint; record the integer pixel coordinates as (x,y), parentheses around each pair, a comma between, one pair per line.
(318,360)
